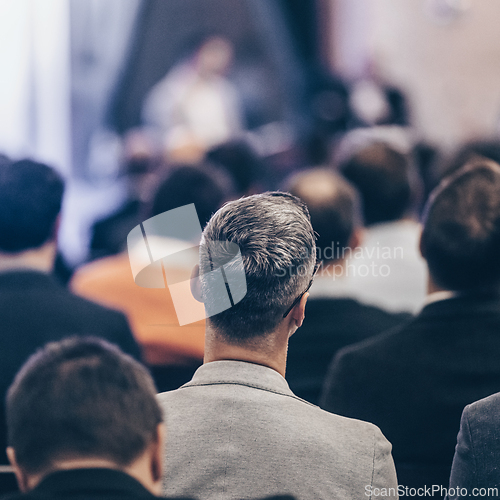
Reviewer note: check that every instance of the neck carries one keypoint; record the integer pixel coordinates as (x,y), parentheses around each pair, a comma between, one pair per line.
(269,351)
(432,287)
(40,259)
(139,470)
(32,480)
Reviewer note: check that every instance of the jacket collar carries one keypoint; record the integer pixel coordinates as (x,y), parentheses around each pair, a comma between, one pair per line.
(464,304)
(240,373)
(92,480)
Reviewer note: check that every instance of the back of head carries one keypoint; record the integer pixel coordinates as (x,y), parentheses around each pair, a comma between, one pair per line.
(31,195)
(204,185)
(276,240)
(239,159)
(382,176)
(333,206)
(461,235)
(80,398)
(471,151)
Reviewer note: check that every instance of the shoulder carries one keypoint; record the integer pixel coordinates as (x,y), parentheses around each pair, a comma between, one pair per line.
(365,366)
(358,441)
(91,318)
(92,309)
(376,346)
(95,319)
(357,430)
(288,408)
(480,428)
(47,295)
(484,411)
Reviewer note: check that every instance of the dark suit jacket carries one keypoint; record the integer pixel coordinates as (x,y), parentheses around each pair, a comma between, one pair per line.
(35,309)
(477,455)
(94,484)
(413,382)
(86,484)
(330,324)
(109,235)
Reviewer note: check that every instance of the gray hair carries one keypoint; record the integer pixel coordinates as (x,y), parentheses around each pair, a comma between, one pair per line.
(274,234)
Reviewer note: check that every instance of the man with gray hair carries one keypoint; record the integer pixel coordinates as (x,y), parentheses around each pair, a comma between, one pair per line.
(236,430)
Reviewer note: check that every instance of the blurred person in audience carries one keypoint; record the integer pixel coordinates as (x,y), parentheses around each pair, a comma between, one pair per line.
(477,454)
(195,107)
(426,156)
(34,307)
(414,381)
(242,163)
(334,317)
(141,171)
(328,103)
(236,429)
(488,148)
(388,270)
(374,102)
(445,164)
(83,422)
(151,312)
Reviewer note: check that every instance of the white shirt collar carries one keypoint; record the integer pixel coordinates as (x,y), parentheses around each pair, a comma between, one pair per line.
(441,295)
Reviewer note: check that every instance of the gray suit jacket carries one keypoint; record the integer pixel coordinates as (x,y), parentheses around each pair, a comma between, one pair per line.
(236,431)
(477,454)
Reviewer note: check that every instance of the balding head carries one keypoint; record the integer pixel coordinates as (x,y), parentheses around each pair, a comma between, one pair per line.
(333,206)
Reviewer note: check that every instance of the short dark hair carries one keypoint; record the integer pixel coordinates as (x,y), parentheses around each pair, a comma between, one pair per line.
(80,397)
(333,205)
(204,185)
(468,152)
(31,196)
(274,234)
(382,176)
(240,160)
(461,234)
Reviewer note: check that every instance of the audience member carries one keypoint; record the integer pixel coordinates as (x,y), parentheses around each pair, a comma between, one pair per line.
(414,381)
(140,173)
(477,454)
(466,153)
(236,430)
(83,422)
(334,318)
(34,307)
(374,102)
(426,156)
(241,162)
(388,271)
(150,310)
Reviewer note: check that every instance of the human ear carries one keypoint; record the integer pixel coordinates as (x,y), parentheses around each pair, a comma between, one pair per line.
(195,284)
(21,476)
(298,313)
